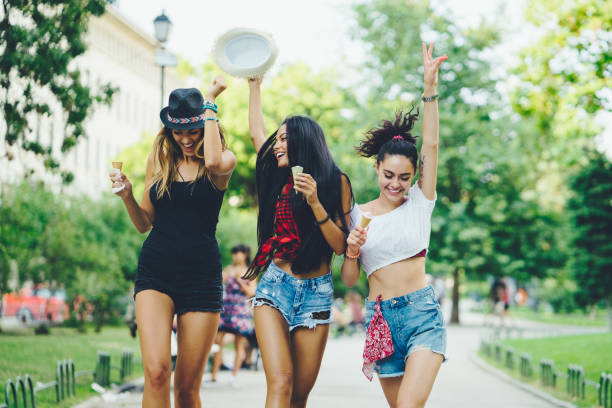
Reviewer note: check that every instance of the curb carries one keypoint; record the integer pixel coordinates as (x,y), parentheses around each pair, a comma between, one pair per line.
(112,395)
(525,387)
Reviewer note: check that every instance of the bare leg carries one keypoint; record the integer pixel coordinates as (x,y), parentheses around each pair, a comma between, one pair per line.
(154,313)
(240,343)
(307,347)
(218,357)
(413,389)
(196,333)
(274,344)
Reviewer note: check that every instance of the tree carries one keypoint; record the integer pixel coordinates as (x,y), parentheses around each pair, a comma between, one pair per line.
(474,132)
(91,248)
(563,79)
(38,42)
(590,207)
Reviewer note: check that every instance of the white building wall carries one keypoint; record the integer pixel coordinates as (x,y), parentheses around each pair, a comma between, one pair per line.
(122,55)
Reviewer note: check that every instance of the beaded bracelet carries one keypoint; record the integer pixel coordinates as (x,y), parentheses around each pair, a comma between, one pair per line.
(430,98)
(217,119)
(352,256)
(211,105)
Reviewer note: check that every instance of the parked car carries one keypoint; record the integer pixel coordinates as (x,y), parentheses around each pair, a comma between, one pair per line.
(38,305)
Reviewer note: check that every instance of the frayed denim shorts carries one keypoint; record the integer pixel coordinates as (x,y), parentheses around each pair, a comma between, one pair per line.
(416,323)
(302,302)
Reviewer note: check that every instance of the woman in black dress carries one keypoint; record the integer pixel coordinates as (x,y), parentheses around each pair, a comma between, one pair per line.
(179,268)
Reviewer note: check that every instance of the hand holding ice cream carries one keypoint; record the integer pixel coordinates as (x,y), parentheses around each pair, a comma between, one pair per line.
(121,185)
(117,185)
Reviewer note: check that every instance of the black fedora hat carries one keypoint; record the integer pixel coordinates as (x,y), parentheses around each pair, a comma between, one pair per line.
(185,109)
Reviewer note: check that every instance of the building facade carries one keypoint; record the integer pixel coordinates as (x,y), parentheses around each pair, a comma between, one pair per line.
(120,54)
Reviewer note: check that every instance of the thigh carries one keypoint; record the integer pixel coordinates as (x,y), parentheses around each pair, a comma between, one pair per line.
(421,370)
(274,344)
(154,314)
(307,347)
(196,332)
(391,387)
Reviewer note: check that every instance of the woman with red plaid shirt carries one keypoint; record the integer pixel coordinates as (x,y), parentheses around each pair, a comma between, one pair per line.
(302,220)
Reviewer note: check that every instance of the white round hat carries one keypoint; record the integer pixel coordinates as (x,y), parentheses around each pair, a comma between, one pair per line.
(245,52)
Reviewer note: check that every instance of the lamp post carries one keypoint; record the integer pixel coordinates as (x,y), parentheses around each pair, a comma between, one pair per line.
(163,58)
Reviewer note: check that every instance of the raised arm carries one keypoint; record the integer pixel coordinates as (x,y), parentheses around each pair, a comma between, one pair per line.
(428,157)
(141,215)
(221,163)
(256,119)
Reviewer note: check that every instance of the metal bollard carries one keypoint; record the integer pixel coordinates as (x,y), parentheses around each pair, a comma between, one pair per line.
(498,353)
(526,369)
(575,381)
(604,394)
(510,357)
(9,391)
(102,373)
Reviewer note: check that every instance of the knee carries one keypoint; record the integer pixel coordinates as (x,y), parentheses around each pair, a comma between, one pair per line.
(410,402)
(158,374)
(187,396)
(281,383)
(299,399)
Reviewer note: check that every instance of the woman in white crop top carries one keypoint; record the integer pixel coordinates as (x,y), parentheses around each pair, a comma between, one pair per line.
(406,341)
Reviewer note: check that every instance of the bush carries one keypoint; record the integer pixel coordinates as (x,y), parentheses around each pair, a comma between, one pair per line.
(43,329)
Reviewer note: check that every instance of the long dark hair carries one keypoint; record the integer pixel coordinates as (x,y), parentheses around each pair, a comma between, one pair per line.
(382,141)
(306,146)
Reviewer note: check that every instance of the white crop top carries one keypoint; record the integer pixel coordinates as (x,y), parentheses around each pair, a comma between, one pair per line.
(397,235)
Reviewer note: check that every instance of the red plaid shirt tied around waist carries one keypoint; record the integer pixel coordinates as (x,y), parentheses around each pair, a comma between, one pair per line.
(286,241)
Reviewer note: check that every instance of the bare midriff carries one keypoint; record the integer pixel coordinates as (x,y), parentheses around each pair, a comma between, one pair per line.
(398,279)
(286,266)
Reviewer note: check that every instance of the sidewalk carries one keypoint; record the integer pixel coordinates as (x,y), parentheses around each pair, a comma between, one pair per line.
(461,383)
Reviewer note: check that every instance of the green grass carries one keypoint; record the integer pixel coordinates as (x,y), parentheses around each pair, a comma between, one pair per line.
(570,319)
(593,352)
(38,355)
(596,319)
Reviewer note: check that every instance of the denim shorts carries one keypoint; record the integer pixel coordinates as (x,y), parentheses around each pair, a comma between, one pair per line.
(302,302)
(416,323)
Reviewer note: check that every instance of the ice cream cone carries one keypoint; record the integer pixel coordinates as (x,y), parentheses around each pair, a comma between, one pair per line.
(365,219)
(117,165)
(295,170)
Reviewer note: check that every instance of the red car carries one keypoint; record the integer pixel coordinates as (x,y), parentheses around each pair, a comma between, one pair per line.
(35,306)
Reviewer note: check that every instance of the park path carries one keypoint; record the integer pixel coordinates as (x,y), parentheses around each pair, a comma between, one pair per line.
(461,382)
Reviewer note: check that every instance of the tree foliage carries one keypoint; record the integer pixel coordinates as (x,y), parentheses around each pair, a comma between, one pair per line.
(38,43)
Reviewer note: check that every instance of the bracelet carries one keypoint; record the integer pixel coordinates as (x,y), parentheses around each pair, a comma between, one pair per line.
(429,98)
(211,105)
(352,256)
(323,221)
(217,119)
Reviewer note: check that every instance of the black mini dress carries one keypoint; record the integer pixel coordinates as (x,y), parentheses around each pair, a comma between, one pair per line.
(181,257)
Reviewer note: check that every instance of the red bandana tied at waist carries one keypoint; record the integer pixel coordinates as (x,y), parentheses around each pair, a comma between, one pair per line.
(286,241)
(378,343)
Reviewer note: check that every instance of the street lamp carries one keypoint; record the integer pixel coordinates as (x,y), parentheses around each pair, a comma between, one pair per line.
(163,58)
(162,26)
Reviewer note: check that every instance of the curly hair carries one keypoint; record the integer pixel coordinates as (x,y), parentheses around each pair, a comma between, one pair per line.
(383,140)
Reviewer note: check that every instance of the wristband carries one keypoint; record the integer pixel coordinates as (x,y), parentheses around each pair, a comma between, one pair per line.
(430,98)
(352,256)
(323,221)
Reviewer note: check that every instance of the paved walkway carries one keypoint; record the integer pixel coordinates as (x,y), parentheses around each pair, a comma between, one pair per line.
(461,383)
